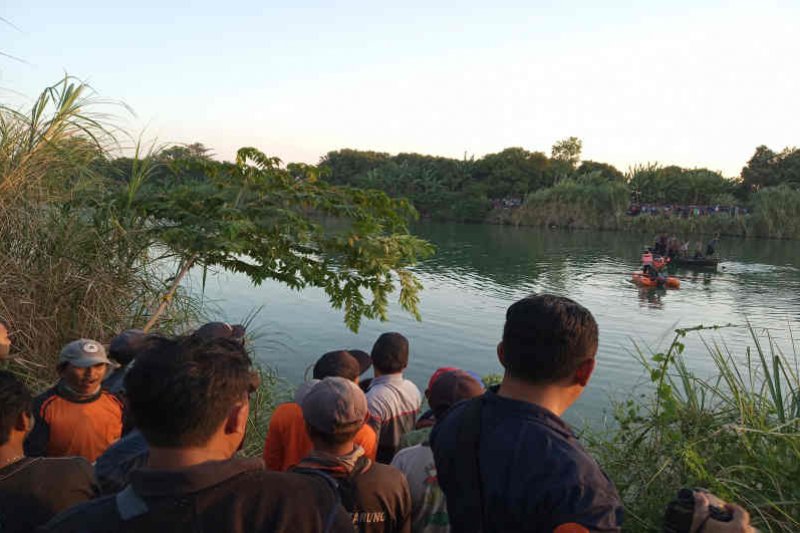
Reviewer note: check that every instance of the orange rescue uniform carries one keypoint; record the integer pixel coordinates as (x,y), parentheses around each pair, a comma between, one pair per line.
(288,442)
(67,426)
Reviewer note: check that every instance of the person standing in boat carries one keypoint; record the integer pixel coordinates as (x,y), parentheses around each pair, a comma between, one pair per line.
(711,247)
(660,247)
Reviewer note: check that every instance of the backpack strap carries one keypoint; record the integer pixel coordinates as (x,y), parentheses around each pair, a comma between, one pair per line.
(468,466)
(129,504)
(333,485)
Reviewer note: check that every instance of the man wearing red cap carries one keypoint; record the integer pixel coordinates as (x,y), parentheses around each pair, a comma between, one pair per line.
(429,509)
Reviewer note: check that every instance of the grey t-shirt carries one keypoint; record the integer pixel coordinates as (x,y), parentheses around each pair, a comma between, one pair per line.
(428,503)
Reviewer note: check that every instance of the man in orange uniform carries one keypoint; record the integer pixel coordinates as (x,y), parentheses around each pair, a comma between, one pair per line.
(76,417)
(287,439)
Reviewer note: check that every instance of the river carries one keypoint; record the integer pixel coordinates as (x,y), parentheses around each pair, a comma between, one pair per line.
(479,270)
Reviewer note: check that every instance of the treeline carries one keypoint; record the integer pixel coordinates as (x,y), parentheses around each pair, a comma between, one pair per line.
(517,186)
(562,190)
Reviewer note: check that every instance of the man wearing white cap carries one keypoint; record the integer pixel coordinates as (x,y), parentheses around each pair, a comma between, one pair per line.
(76,417)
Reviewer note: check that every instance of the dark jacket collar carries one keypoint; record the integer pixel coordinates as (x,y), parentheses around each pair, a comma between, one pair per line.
(531,411)
(68,394)
(148,482)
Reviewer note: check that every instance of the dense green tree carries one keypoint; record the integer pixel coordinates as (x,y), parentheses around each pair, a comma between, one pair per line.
(567,150)
(513,172)
(342,166)
(769,169)
(608,172)
(673,184)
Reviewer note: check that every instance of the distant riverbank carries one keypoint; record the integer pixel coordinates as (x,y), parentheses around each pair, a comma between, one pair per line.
(775,215)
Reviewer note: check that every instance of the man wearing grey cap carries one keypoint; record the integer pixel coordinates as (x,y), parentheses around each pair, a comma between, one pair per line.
(76,417)
(376,495)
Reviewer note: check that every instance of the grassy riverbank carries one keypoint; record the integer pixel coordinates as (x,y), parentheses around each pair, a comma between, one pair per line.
(578,204)
(736,433)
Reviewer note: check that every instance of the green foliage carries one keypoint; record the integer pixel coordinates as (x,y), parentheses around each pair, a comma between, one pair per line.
(606,171)
(736,433)
(90,242)
(588,201)
(776,212)
(567,151)
(769,169)
(260,219)
(653,184)
(514,172)
(70,268)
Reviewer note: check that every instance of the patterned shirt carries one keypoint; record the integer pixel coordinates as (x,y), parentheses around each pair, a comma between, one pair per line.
(394,404)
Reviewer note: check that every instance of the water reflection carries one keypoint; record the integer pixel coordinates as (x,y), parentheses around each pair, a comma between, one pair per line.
(479,270)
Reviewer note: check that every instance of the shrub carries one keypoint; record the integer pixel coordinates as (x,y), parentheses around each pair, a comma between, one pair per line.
(736,433)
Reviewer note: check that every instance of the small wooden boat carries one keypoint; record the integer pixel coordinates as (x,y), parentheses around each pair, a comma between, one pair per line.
(642,279)
(700,262)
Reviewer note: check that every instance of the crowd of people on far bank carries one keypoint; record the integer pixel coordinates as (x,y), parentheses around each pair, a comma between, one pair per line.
(144,435)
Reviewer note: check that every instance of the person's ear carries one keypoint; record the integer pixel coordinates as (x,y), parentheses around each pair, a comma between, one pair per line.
(584,372)
(236,423)
(501,354)
(24,423)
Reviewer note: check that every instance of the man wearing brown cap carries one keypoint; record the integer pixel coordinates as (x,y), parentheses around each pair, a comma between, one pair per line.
(376,495)
(429,508)
(76,417)
(287,440)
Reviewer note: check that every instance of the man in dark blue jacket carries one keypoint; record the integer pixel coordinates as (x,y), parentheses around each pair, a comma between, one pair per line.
(506,460)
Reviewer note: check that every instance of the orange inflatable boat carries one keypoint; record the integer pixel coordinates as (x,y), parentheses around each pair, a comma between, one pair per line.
(644,280)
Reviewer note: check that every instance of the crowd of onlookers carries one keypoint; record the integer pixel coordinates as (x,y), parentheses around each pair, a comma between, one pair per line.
(686,211)
(144,435)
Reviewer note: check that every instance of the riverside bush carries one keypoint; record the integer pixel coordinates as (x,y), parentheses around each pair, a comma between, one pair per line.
(736,434)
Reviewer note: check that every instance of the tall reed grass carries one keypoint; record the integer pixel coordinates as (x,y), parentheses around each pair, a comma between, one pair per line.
(736,433)
(75,262)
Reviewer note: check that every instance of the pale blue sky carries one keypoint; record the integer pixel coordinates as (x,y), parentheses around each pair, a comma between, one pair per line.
(691,83)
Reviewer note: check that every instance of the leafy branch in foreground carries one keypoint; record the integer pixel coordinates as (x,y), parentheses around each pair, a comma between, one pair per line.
(266,221)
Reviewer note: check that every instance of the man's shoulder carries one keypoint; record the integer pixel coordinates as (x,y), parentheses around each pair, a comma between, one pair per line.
(410,454)
(111,398)
(40,399)
(287,486)
(388,472)
(88,517)
(59,465)
(398,390)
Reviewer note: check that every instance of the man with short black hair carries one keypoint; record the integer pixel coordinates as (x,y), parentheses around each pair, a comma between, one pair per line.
(221,330)
(287,440)
(33,489)
(77,417)
(394,402)
(123,350)
(506,460)
(189,398)
(375,495)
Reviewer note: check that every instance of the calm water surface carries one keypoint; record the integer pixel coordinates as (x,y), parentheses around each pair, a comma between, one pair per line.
(479,270)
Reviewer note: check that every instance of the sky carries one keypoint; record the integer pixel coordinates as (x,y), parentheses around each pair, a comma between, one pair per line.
(693,83)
